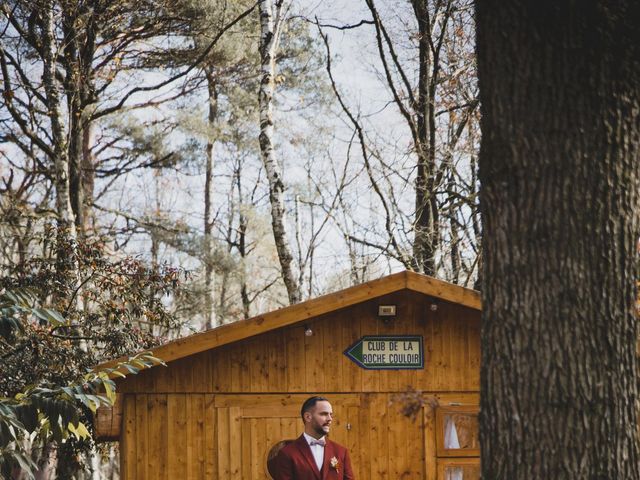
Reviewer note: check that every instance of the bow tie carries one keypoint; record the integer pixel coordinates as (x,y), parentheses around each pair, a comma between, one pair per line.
(316,442)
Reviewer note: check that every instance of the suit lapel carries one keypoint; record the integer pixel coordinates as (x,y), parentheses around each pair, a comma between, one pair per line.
(305,451)
(326,463)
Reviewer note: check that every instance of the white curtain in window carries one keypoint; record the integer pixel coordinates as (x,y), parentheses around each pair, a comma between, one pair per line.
(454,473)
(450,434)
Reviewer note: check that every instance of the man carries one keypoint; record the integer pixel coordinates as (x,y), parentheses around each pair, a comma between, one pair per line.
(313,456)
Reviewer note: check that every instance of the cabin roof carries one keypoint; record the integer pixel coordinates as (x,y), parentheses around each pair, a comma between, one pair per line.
(303,311)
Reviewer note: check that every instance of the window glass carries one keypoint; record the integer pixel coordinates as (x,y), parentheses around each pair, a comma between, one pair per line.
(462,472)
(461,431)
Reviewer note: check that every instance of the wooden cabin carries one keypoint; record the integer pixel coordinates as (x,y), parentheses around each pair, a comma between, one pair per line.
(398,357)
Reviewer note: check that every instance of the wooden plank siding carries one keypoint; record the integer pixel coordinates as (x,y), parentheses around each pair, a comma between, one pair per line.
(230,436)
(285,360)
(310,310)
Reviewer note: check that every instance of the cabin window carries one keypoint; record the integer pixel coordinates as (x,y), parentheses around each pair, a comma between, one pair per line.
(457,431)
(458,443)
(459,469)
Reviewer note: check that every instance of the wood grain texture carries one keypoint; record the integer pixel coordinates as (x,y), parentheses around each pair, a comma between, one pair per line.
(177,434)
(202,436)
(210,438)
(129,444)
(286,360)
(108,420)
(142,436)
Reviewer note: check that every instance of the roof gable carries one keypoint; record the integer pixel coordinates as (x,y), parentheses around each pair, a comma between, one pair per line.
(300,312)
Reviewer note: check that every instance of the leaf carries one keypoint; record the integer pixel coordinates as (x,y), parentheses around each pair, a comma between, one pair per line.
(56,431)
(131,369)
(12,297)
(110,391)
(27,414)
(155,360)
(21,297)
(68,412)
(50,316)
(8,325)
(69,391)
(80,432)
(96,402)
(84,399)
(140,364)
(7,434)
(56,317)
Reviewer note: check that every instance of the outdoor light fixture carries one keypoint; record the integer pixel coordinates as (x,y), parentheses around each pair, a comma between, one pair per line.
(386,310)
(433,307)
(308,332)
(387,313)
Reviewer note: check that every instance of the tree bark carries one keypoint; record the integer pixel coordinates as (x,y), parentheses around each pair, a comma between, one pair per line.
(560,205)
(66,265)
(47,462)
(427,235)
(61,159)
(88,176)
(271,20)
(209,274)
(80,31)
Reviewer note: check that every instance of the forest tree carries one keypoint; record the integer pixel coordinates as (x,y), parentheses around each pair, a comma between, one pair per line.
(560,184)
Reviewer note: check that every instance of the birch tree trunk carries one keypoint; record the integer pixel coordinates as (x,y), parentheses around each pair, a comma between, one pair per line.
(271,22)
(560,203)
(58,133)
(66,266)
(209,279)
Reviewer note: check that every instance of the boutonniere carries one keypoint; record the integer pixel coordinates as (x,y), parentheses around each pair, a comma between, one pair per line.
(335,464)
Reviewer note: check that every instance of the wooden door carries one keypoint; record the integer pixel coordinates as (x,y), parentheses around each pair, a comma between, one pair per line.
(390,444)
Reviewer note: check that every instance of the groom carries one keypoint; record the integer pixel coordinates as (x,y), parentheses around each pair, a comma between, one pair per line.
(313,456)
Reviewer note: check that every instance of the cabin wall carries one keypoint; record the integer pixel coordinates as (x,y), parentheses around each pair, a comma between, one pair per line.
(207,436)
(285,360)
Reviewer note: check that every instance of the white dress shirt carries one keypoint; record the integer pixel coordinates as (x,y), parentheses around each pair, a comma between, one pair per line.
(316,450)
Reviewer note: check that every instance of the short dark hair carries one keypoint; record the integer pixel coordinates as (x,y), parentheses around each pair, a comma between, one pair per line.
(309,403)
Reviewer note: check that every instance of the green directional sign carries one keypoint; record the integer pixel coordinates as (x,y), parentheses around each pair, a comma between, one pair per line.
(378,352)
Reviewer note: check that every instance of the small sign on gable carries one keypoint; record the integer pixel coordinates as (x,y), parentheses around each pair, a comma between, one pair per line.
(377,352)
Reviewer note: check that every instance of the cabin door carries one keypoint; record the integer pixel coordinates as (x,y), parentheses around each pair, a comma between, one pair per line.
(392,440)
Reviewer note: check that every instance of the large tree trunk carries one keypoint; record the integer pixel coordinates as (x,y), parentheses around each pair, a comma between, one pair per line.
(271,21)
(560,182)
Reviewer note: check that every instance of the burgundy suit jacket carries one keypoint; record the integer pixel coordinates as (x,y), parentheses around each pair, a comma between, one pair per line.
(295,462)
